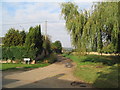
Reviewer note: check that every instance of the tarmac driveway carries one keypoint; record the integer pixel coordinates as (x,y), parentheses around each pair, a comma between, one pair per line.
(56,75)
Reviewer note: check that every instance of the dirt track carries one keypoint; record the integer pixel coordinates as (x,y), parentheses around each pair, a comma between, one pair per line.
(53,76)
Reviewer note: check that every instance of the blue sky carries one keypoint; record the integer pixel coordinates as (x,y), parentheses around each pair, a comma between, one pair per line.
(21,15)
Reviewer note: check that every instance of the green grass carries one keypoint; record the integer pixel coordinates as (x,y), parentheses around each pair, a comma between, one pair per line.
(100,71)
(13,66)
(51,59)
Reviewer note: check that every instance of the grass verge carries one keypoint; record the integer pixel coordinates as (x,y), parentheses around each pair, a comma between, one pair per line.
(21,66)
(51,59)
(100,71)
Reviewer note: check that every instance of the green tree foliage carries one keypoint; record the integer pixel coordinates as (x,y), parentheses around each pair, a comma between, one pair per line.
(95,29)
(34,40)
(47,45)
(19,44)
(57,47)
(23,36)
(12,38)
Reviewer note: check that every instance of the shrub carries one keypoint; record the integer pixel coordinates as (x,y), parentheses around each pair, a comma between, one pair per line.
(52,58)
(109,49)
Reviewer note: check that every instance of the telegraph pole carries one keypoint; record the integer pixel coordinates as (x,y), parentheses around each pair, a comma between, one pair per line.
(45,30)
(46,37)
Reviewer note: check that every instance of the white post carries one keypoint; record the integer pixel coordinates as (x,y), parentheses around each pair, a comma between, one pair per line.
(28,62)
(45,30)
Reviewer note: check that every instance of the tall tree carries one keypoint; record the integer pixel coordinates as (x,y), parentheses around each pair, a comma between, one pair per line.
(95,30)
(12,38)
(23,37)
(34,40)
(75,22)
(70,12)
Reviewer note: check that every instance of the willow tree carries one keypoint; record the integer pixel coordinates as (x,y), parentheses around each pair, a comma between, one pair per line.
(97,30)
(70,12)
(106,16)
(75,22)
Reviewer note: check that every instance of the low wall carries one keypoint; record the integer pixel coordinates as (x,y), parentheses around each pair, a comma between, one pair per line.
(11,61)
(96,53)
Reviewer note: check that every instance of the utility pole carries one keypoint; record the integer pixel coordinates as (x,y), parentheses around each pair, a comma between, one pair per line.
(45,30)
(46,37)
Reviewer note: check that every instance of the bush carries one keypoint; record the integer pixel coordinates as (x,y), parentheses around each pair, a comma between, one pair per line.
(6,54)
(109,49)
(57,47)
(16,52)
(51,58)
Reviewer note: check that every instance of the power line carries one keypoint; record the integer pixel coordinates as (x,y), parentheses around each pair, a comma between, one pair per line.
(22,23)
(34,22)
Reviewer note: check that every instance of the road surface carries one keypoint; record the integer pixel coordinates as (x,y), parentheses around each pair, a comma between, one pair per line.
(56,75)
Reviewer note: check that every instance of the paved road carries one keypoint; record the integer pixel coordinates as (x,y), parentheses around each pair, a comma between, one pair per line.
(53,76)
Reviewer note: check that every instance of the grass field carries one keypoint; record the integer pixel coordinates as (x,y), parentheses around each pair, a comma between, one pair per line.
(100,71)
(21,66)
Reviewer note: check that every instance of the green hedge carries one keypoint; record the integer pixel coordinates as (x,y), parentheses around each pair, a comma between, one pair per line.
(17,52)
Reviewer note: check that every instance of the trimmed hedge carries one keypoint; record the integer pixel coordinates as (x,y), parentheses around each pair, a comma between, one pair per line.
(17,53)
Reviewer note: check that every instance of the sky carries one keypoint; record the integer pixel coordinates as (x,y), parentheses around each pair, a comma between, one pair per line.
(22,14)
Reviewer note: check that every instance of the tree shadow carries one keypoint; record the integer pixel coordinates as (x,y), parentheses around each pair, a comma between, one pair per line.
(50,82)
(108,80)
(106,60)
(8,81)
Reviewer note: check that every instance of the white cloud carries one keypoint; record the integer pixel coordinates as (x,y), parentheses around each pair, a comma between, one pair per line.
(77,1)
(50,0)
(33,12)
(38,12)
